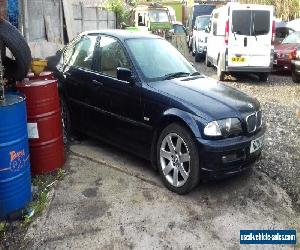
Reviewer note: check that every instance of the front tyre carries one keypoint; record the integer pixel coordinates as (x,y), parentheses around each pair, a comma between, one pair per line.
(178,159)
(295,77)
(220,73)
(263,77)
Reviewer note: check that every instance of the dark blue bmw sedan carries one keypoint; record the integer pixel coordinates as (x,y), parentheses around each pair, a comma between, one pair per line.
(138,92)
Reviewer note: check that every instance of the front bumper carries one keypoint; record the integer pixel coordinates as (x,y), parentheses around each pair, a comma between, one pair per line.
(226,157)
(249,69)
(282,65)
(201,48)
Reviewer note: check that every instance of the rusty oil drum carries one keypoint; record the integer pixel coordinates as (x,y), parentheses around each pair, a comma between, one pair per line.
(45,75)
(44,124)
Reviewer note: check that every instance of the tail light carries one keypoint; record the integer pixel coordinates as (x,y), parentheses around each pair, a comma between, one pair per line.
(226,32)
(273,32)
(292,55)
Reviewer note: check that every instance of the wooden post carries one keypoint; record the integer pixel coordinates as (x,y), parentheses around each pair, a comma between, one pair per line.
(3,9)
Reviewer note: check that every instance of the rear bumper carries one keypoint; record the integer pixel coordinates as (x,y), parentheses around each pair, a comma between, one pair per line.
(227,157)
(249,69)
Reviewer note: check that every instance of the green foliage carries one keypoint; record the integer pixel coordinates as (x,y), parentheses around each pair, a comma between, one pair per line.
(2,227)
(285,9)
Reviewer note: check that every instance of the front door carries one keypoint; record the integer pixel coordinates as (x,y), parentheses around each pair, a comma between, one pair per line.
(78,75)
(124,113)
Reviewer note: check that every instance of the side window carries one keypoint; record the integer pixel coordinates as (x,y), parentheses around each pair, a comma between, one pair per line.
(215,23)
(214,27)
(112,56)
(82,55)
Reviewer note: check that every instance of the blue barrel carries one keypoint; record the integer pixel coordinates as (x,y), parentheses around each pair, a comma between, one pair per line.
(15,181)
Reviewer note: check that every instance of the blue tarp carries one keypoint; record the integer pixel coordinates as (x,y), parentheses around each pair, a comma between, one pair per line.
(13,12)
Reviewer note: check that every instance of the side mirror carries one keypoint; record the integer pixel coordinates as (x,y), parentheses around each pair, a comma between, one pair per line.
(207,29)
(124,74)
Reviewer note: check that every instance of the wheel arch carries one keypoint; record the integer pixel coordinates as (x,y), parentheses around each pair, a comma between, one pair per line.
(171,116)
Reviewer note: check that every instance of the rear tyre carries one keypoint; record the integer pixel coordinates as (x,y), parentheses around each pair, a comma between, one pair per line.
(263,77)
(178,159)
(197,57)
(207,62)
(220,73)
(295,77)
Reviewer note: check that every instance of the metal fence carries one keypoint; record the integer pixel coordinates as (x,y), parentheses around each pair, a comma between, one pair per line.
(92,18)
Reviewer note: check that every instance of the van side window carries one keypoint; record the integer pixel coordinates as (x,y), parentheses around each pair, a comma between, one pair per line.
(214,27)
(215,23)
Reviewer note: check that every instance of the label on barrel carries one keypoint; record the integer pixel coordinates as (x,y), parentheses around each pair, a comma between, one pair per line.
(32,129)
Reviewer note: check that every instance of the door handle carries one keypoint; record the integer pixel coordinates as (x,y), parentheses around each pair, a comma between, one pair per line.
(245,41)
(97,82)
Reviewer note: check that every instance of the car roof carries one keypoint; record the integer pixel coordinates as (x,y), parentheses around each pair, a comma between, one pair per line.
(121,34)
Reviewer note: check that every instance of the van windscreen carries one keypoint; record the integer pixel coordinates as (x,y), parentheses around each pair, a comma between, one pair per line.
(250,22)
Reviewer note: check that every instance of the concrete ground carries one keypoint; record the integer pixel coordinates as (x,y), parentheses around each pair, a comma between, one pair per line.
(113,200)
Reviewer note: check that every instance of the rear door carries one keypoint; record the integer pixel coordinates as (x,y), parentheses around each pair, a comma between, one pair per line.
(250,32)
(260,42)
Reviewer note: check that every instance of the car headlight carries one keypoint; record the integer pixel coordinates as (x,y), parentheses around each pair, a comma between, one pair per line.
(226,127)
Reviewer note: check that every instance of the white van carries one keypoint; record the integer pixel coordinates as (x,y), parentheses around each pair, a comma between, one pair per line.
(241,39)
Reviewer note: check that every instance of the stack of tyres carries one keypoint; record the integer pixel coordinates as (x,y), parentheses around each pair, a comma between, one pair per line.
(45,130)
(15,181)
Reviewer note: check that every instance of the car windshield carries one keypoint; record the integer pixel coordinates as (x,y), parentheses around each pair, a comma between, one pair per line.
(251,22)
(292,38)
(159,16)
(158,59)
(202,22)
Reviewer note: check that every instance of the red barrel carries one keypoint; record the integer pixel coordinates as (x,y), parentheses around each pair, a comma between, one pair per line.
(45,75)
(44,125)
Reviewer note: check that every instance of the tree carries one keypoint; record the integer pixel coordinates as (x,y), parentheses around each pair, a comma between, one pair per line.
(284,9)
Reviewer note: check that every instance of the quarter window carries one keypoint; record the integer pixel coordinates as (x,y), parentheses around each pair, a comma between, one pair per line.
(83,52)
(112,56)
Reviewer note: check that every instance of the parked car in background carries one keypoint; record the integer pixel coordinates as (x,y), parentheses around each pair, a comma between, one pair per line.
(179,29)
(200,37)
(294,24)
(281,33)
(240,40)
(196,10)
(136,91)
(295,67)
(286,52)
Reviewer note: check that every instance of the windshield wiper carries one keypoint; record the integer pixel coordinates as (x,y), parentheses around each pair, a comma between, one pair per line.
(195,74)
(253,26)
(175,75)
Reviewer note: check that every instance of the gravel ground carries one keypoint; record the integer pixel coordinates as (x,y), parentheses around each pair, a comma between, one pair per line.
(279,98)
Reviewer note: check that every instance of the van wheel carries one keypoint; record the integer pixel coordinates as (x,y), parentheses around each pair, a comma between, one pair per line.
(197,57)
(295,77)
(263,77)
(220,73)
(207,62)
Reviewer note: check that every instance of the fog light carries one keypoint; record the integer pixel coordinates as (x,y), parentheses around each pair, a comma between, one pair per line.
(229,158)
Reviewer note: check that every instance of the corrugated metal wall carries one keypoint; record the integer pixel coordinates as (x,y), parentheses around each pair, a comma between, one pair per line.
(44,20)
(92,18)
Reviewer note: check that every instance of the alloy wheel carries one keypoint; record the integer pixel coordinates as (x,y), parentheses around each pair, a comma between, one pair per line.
(175,160)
